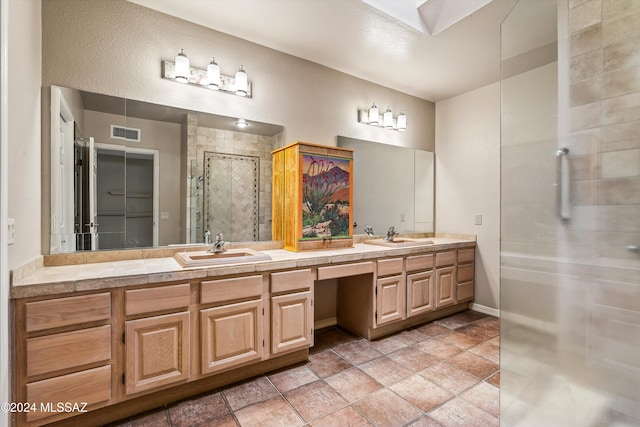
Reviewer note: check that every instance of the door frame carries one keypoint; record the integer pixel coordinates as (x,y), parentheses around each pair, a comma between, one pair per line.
(62,116)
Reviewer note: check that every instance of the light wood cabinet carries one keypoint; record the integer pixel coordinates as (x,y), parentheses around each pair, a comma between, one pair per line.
(465,274)
(92,386)
(231,335)
(157,352)
(312,194)
(292,322)
(166,340)
(445,279)
(420,295)
(390,299)
(291,310)
(64,354)
(446,286)
(420,284)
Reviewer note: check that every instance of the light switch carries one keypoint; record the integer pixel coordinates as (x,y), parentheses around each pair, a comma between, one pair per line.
(478,218)
(401,217)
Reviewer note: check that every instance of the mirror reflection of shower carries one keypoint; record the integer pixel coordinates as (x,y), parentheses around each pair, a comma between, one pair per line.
(231,196)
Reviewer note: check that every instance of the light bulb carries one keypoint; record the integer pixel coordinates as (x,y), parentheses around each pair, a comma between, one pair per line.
(373,115)
(213,74)
(182,67)
(402,122)
(241,82)
(387,118)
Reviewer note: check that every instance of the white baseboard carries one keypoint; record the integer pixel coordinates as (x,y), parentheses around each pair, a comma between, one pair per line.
(324,323)
(484,309)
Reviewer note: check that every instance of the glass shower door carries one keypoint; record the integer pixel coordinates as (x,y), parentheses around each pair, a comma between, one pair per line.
(570,203)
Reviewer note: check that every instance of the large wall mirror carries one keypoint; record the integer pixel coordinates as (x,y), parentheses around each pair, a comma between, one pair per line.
(392,186)
(127,174)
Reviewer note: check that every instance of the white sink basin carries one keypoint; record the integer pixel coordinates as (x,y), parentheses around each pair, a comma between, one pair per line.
(231,256)
(400,242)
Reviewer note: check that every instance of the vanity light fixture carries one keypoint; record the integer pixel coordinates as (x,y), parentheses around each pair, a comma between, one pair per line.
(182,67)
(242,123)
(210,78)
(372,117)
(213,74)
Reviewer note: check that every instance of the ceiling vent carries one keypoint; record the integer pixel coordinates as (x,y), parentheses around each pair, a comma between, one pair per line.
(121,132)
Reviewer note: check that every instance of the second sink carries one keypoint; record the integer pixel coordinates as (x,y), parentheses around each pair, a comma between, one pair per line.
(231,256)
(400,242)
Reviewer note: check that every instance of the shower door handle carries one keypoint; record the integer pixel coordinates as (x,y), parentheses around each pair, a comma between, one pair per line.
(634,248)
(562,184)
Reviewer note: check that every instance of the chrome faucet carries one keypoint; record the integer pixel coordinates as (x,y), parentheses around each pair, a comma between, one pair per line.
(218,245)
(391,234)
(369,230)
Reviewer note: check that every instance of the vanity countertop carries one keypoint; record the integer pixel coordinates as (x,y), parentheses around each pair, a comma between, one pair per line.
(52,280)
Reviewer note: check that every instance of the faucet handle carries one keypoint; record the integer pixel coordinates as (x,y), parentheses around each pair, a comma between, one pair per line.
(369,230)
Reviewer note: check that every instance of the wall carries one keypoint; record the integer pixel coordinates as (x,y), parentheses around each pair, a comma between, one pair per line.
(468,180)
(116,48)
(24,129)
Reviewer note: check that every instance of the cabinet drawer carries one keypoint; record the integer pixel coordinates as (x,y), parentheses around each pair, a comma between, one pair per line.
(69,311)
(231,289)
(335,271)
(287,281)
(90,386)
(139,301)
(465,291)
(387,267)
(68,350)
(465,272)
(466,255)
(419,262)
(444,259)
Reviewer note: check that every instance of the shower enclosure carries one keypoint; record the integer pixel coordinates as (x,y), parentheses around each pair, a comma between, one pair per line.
(570,203)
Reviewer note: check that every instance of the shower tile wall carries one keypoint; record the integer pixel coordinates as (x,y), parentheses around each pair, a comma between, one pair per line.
(202,139)
(604,126)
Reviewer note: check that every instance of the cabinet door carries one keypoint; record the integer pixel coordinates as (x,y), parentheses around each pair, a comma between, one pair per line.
(420,293)
(445,286)
(157,351)
(231,335)
(292,322)
(390,299)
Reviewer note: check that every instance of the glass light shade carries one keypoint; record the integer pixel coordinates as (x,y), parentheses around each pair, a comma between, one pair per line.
(242,123)
(402,122)
(373,115)
(182,67)
(213,74)
(241,82)
(387,118)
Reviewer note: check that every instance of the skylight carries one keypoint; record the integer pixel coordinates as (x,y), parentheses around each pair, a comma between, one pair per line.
(428,16)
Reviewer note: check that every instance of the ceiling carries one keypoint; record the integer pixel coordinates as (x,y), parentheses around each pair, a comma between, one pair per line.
(358,39)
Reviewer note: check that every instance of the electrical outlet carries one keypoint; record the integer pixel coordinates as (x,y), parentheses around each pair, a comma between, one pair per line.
(401,217)
(11,235)
(164,215)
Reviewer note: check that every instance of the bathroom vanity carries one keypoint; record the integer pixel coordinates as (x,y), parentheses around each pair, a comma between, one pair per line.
(138,330)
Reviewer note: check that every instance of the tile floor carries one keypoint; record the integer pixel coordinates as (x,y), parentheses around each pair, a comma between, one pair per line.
(444,373)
